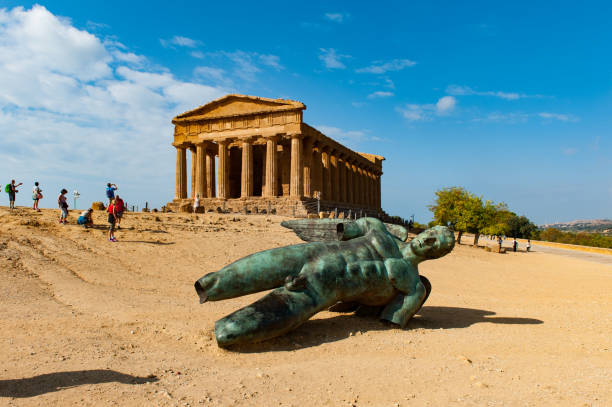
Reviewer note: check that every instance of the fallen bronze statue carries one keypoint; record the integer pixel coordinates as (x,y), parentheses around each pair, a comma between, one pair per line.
(367,266)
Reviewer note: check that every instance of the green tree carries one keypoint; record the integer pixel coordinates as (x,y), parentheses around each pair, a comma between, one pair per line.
(448,206)
(493,220)
(470,216)
(521,227)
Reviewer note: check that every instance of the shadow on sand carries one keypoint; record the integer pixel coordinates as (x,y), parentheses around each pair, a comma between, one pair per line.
(318,331)
(50,382)
(147,241)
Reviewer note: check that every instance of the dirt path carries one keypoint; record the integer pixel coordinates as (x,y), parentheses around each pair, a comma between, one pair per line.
(89,322)
(576,254)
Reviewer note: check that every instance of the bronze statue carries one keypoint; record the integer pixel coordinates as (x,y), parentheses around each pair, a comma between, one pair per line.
(368,266)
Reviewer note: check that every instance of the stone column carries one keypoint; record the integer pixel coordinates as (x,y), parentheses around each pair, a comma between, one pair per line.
(223,169)
(296,188)
(378,192)
(307,161)
(342,171)
(315,171)
(181,173)
(325,176)
(334,176)
(368,193)
(271,167)
(364,182)
(193,171)
(210,174)
(246,177)
(200,170)
(350,189)
(360,182)
(354,184)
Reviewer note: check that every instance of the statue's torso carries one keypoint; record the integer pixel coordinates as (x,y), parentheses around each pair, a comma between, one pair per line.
(354,270)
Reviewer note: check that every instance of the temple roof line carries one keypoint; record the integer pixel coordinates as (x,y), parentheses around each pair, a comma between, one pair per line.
(254,105)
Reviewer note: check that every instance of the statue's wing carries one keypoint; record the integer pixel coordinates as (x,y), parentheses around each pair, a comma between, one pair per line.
(398,231)
(314,230)
(322,230)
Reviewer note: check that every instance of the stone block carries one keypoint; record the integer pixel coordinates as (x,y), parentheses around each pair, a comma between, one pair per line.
(98,206)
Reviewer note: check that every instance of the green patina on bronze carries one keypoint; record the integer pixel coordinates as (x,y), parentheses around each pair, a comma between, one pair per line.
(368,266)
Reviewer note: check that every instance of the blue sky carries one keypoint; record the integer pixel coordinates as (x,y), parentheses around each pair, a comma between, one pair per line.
(510,100)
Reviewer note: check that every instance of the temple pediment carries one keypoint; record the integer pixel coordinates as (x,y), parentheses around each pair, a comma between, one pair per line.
(238,105)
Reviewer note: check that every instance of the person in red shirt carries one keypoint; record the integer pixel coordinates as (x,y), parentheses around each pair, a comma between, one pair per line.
(119,207)
(112,219)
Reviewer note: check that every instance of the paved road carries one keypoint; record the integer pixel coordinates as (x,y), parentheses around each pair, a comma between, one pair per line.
(577,254)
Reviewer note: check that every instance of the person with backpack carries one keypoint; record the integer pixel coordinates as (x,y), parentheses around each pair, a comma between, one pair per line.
(63,205)
(112,219)
(11,190)
(119,207)
(110,191)
(36,196)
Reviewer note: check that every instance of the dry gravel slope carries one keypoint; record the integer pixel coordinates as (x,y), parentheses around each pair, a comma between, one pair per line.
(88,322)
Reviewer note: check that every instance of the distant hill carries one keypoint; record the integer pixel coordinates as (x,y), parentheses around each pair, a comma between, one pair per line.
(603,226)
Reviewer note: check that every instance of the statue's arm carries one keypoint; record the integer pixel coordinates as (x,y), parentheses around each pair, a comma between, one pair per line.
(407,302)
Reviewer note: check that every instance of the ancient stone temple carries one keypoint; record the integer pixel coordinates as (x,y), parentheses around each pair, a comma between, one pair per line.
(255,154)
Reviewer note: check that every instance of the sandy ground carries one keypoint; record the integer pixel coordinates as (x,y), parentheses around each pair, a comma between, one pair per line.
(89,322)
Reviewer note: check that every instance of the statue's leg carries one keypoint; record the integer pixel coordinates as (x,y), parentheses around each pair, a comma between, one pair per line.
(275,314)
(258,272)
(427,285)
(342,306)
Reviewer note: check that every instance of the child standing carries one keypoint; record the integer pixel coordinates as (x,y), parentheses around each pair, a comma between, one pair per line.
(63,205)
(36,196)
(112,219)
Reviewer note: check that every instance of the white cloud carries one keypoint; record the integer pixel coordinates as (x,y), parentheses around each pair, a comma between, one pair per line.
(380,94)
(445,105)
(498,117)
(557,116)
(425,112)
(351,138)
(197,54)
(82,109)
(569,151)
(379,67)
(331,59)
(272,61)
(457,90)
(179,41)
(215,75)
(246,65)
(337,17)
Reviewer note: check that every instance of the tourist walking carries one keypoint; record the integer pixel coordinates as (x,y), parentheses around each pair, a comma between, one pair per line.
(514,245)
(85,218)
(119,208)
(36,196)
(528,245)
(112,220)
(500,242)
(11,190)
(110,191)
(62,202)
